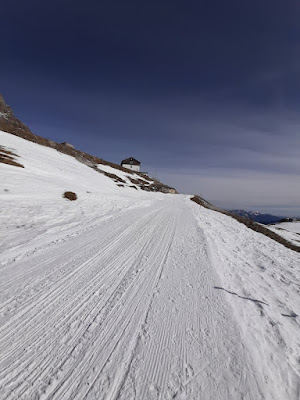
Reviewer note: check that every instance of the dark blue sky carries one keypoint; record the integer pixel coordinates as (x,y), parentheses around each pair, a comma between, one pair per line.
(207,93)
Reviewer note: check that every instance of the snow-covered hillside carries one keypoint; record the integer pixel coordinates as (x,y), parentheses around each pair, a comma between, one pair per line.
(33,210)
(127,294)
(288,230)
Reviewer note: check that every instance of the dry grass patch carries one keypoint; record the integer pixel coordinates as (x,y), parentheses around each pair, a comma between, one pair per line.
(116,178)
(8,157)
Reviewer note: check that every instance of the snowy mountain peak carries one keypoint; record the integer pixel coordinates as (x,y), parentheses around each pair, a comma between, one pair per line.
(257,216)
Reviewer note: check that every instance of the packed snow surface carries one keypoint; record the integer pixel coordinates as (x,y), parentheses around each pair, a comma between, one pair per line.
(126,294)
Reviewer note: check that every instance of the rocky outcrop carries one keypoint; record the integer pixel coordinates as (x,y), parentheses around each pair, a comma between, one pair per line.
(9,123)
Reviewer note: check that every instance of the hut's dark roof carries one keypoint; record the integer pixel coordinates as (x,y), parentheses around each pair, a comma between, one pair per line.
(131,161)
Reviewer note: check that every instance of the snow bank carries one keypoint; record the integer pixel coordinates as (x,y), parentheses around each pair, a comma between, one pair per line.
(261,280)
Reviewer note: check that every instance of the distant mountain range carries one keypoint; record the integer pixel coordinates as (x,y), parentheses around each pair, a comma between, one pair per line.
(258,217)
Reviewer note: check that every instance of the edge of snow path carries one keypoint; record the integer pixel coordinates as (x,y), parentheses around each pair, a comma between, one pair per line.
(260,281)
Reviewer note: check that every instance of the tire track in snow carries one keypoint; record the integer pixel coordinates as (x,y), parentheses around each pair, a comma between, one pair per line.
(132,309)
(18,274)
(135,317)
(41,339)
(114,395)
(53,315)
(191,347)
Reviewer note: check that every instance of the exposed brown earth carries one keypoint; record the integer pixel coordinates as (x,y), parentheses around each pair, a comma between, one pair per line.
(136,181)
(70,196)
(114,177)
(8,157)
(250,224)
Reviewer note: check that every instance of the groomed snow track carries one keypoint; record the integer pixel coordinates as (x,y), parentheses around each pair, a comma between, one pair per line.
(126,310)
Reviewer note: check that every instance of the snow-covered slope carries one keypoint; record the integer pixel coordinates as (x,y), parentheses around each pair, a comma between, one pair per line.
(288,230)
(125,294)
(32,203)
(261,280)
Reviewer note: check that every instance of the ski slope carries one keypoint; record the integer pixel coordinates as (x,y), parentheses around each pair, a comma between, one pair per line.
(125,294)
